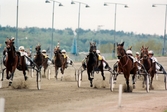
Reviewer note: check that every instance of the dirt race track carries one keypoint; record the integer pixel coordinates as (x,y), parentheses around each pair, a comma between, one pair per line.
(65,96)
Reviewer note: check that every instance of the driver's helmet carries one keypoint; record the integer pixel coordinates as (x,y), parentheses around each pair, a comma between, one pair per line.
(63,51)
(21,48)
(137,53)
(98,51)
(129,52)
(44,51)
(151,52)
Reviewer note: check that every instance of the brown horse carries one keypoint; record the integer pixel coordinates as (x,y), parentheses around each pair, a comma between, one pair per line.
(126,65)
(93,64)
(40,59)
(148,65)
(59,61)
(11,61)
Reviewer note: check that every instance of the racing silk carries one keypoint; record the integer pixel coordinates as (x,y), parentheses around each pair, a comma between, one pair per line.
(134,60)
(45,55)
(25,54)
(154,59)
(100,57)
(64,55)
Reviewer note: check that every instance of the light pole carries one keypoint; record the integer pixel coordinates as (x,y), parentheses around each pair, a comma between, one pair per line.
(17,10)
(163,50)
(87,6)
(106,4)
(51,45)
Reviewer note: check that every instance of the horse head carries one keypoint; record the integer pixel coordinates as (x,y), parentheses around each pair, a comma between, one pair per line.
(9,44)
(144,52)
(57,50)
(120,50)
(92,47)
(38,48)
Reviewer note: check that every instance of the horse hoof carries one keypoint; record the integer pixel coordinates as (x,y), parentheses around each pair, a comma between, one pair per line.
(104,78)
(7,77)
(151,88)
(10,83)
(91,85)
(26,78)
(134,87)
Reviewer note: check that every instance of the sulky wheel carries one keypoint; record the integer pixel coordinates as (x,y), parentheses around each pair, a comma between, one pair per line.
(147,83)
(38,80)
(111,81)
(79,79)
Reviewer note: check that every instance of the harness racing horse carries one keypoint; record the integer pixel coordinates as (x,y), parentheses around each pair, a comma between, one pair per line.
(93,64)
(126,65)
(40,59)
(59,61)
(148,65)
(12,61)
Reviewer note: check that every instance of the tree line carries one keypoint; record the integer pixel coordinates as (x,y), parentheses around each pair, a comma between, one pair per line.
(31,36)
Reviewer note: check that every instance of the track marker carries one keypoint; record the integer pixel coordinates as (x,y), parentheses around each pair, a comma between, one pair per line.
(2,105)
(120,95)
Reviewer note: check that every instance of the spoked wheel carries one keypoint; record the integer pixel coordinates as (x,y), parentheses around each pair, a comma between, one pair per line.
(79,79)
(147,83)
(111,81)
(165,80)
(38,80)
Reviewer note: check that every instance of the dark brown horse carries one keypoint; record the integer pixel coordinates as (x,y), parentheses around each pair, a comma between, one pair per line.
(59,61)
(40,59)
(93,64)
(148,65)
(11,61)
(126,65)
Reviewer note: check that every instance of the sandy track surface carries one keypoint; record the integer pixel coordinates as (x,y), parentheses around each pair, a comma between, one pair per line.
(65,96)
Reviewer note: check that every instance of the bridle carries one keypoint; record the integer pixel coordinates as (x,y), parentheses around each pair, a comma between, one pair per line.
(144,54)
(121,52)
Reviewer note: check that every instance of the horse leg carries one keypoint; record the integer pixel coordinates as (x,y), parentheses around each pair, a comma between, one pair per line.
(11,79)
(151,86)
(25,77)
(89,78)
(133,80)
(126,75)
(7,74)
(56,72)
(44,72)
(144,81)
(127,83)
(102,74)
(62,72)
(2,74)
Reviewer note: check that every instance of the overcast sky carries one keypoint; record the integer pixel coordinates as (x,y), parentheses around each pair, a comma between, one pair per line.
(140,17)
